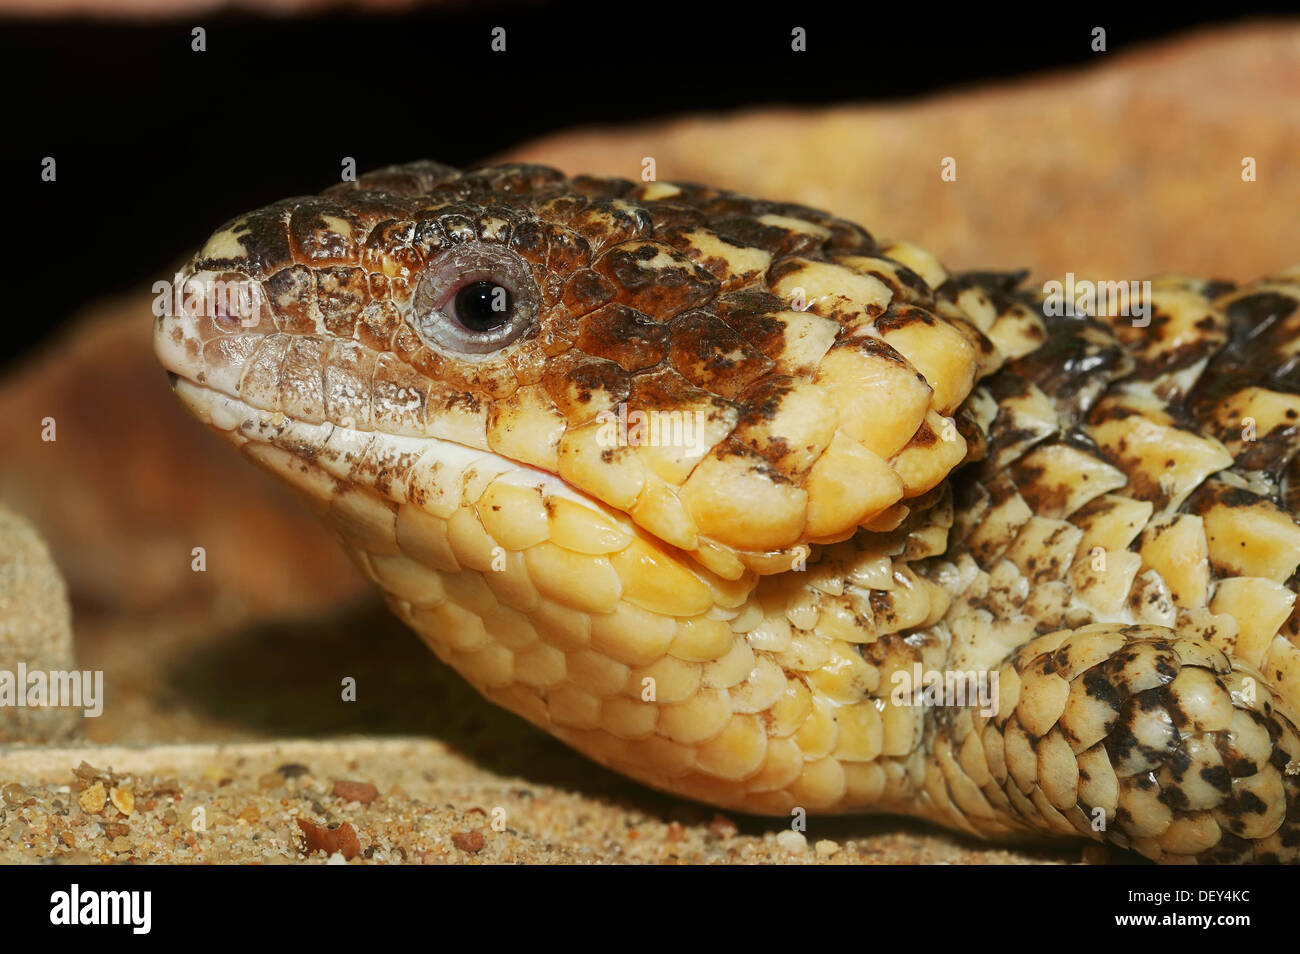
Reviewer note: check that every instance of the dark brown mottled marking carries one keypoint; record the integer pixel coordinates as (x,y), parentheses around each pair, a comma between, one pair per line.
(630,338)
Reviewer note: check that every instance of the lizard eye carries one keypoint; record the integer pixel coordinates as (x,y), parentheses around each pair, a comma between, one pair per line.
(482,306)
(474,299)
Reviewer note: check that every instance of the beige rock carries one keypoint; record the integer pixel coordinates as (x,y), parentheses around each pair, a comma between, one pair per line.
(35,630)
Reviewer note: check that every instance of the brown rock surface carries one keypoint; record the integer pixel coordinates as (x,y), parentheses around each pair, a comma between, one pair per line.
(131,485)
(1125,169)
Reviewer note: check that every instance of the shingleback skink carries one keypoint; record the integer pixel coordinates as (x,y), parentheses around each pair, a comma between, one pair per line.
(745,504)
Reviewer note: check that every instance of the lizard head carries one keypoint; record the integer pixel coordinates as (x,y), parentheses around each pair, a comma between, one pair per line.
(569,426)
(737,378)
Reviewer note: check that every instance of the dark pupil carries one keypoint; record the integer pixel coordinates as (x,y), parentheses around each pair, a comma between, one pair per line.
(482,306)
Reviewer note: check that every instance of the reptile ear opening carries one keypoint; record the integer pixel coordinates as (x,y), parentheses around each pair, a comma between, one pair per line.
(473,300)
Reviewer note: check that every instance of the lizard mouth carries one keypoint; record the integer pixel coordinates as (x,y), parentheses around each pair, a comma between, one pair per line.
(457,505)
(325,460)
(402,501)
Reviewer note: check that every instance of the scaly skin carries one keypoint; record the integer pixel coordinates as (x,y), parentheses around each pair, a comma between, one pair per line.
(893,471)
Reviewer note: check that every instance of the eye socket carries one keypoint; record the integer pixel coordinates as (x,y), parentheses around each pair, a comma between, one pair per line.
(474,299)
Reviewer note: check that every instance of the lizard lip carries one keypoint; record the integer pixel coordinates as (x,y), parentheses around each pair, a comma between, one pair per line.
(378,460)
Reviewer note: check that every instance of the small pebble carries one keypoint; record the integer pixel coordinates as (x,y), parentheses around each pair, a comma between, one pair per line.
(826,848)
(87,772)
(362,792)
(92,800)
(470,841)
(123,799)
(722,827)
(342,839)
(792,841)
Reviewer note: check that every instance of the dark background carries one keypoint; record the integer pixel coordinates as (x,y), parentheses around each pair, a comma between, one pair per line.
(156,145)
